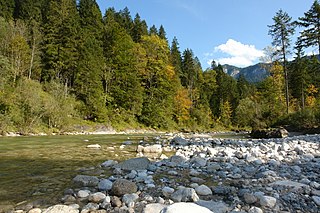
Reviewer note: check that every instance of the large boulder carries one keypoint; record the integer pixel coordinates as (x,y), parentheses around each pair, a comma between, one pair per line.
(61,209)
(121,187)
(185,208)
(269,133)
(134,164)
(85,180)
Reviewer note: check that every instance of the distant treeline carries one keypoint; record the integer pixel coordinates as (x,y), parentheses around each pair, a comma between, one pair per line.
(64,63)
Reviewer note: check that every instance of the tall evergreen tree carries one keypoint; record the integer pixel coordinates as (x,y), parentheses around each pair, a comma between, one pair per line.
(61,30)
(140,28)
(29,10)
(162,33)
(88,85)
(153,30)
(281,32)
(175,56)
(310,36)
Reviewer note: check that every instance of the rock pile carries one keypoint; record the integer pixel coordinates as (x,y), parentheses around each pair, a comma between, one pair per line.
(207,175)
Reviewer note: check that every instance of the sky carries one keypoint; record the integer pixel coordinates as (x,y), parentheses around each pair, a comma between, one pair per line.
(233,32)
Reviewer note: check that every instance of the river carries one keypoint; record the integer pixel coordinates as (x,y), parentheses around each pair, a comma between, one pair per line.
(39,168)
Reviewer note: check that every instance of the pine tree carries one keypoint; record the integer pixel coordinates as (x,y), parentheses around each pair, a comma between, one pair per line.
(281,31)
(310,36)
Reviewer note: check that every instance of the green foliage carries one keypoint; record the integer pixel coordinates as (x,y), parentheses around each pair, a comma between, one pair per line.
(7,9)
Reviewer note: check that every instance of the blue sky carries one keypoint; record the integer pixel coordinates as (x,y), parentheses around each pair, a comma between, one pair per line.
(228,31)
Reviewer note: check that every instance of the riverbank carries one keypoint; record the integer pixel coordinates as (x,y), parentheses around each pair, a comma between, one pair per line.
(203,175)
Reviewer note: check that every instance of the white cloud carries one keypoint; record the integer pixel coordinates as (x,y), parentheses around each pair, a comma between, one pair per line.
(238,54)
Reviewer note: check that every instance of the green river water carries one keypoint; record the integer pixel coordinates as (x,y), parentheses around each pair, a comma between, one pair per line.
(39,169)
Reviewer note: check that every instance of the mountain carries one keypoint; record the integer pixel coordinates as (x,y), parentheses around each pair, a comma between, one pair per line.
(254,73)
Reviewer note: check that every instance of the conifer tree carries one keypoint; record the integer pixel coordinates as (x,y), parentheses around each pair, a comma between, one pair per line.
(140,28)
(61,30)
(310,36)
(153,30)
(88,85)
(281,32)
(162,33)
(175,56)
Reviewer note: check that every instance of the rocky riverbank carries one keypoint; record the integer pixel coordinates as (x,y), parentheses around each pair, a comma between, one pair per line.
(203,175)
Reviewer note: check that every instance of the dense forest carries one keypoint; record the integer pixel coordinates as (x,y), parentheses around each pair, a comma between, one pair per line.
(64,64)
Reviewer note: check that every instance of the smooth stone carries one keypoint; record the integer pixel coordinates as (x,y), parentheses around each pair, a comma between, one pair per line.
(255,210)
(203,190)
(177,159)
(109,163)
(180,141)
(85,180)
(94,146)
(121,187)
(35,210)
(185,208)
(316,199)
(288,183)
(185,195)
(97,197)
(250,198)
(134,164)
(115,201)
(167,191)
(267,201)
(105,185)
(61,209)
(216,207)
(198,161)
(154,208)
(156,148)
(129,198)
(91,207)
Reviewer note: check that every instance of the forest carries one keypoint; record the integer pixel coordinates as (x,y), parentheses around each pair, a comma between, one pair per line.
(64,64)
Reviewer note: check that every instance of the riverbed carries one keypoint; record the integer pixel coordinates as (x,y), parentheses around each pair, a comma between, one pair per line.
(38,169)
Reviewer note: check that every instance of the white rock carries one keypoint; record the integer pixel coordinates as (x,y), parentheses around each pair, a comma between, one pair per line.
(185,208)
(267,201)
(35,210)
(203,190)
(94,146)
(154,208)
(83,193)
(97,197)
(316,199)
(129,198)
(255,210)
(61,209)
(156,148)
(167,191)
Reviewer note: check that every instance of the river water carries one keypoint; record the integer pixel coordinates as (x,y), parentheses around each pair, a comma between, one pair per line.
(39,169)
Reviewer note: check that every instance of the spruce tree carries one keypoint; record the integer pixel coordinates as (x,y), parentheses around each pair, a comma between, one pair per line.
(61,30)
(175,56)
(140,28)
(88,85)
(281,32)
(310,36)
